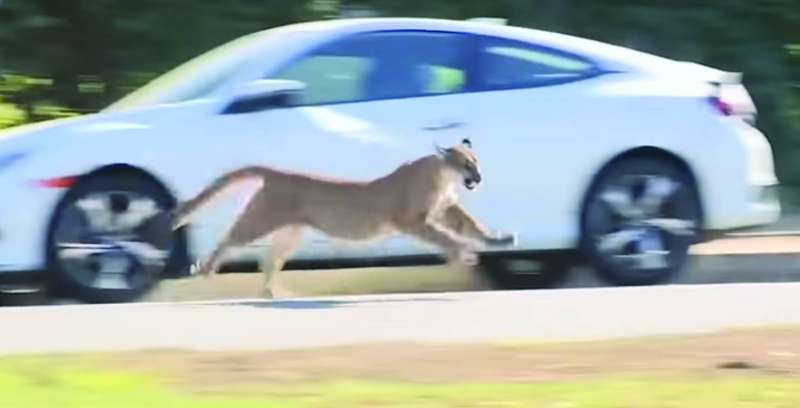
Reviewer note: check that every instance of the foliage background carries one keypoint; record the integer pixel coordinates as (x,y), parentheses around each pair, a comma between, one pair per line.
(61,58)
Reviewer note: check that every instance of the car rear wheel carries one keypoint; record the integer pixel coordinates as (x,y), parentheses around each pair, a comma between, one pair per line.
(640,219)
(97,250)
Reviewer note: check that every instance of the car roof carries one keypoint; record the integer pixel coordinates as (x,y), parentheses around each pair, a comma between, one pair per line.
(608,55)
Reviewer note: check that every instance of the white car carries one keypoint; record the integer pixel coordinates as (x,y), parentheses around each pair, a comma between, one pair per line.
(626,157)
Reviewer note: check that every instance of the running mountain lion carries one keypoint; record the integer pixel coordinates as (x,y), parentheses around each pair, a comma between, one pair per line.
(418,199)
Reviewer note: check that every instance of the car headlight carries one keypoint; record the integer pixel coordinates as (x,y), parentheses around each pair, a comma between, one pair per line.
(7,160)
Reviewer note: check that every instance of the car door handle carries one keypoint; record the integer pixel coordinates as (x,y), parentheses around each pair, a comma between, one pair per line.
(446,126)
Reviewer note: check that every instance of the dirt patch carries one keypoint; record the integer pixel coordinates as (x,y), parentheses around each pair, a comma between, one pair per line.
(750,245)
(773,351)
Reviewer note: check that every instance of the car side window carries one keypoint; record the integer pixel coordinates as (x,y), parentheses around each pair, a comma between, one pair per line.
(514,64)
(381,65)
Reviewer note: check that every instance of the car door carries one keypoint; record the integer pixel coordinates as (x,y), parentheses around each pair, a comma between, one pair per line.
(376,100)
(533,120)
(228,141)
(372,101)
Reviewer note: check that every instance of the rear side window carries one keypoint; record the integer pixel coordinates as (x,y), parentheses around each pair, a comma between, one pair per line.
(514,64)
(329,78)
(382,65)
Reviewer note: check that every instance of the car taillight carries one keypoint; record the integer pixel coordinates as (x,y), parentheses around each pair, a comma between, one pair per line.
(721,106)
(732,99)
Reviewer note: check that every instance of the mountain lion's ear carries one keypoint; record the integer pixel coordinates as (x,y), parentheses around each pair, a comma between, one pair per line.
(443,151)
(467,142)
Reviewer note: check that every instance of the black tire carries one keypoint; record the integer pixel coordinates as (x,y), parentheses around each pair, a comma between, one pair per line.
(516,271)
(657,254)
(22,297)
(79,276)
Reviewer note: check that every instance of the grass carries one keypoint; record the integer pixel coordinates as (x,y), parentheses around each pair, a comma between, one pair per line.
(35,382)
(10,115)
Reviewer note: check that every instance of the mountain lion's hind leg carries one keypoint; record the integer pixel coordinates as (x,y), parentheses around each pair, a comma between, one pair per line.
(459,220)
(251,225)
(210,265)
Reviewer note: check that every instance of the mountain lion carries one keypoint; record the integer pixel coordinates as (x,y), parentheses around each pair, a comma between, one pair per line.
(418,199)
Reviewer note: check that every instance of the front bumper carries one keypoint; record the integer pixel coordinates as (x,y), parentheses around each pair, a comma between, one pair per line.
(25,212)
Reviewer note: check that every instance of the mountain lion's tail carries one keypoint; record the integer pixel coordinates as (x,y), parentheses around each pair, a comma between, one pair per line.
(184,212)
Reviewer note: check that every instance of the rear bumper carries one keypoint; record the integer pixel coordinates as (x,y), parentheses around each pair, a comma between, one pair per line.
(762,208)
(740,189)
(763,211)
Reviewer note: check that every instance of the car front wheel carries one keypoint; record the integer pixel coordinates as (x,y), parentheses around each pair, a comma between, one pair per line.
(640,218)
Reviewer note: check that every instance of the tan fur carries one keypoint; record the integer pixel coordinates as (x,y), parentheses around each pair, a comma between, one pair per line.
(418,199)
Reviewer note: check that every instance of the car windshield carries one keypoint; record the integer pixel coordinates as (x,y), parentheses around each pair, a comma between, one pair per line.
(200,75)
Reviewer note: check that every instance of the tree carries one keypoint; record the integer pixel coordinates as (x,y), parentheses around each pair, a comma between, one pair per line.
(87,54)
(63,57)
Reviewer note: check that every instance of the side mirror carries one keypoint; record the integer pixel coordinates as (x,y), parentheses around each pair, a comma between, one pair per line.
(264,94)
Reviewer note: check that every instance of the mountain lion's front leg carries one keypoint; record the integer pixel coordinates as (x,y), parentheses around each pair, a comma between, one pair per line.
(284,242)
(456,250)
(455,217)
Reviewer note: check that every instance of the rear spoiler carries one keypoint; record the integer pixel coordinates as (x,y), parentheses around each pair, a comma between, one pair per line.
(706,73)
(727,78)
(488,20)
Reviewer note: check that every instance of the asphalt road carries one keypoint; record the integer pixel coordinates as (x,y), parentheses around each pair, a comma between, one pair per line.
(546,315)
